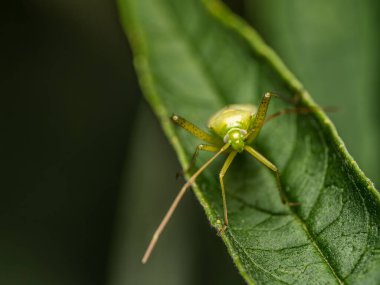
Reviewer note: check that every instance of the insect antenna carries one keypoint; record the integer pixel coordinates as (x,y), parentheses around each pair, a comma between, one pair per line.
(175,203)
(299,110)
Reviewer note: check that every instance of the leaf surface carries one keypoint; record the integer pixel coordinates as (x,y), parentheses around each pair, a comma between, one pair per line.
(320,50)
(194,58)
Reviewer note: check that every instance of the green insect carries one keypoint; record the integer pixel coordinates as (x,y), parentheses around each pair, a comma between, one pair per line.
(233,129)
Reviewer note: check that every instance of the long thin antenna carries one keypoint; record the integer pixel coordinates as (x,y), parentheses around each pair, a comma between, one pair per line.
(300,110)
(175,203)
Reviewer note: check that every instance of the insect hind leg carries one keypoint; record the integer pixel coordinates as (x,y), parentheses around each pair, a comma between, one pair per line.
(276,172)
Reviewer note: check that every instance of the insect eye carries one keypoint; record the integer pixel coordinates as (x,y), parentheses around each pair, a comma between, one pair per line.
(226,138)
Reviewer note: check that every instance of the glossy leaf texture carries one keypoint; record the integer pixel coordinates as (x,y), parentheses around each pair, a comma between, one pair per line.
(193,58)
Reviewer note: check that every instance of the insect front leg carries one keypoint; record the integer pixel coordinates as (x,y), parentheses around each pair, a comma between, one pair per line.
(176,201)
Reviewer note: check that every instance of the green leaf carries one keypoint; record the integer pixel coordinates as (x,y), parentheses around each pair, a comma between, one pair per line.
(319,50)
(193,59)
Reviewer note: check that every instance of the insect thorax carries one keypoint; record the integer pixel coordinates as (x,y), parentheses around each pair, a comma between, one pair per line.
(232,117)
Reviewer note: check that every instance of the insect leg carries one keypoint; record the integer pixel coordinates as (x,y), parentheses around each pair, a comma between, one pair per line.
(259,118)
(200,147)
(223,171)
(175,203)
(195,131)
(272,167)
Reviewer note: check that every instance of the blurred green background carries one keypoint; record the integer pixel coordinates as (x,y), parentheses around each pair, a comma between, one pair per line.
(86,173)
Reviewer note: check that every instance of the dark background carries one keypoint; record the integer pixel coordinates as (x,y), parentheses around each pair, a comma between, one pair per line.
(69,98)
(79,144)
